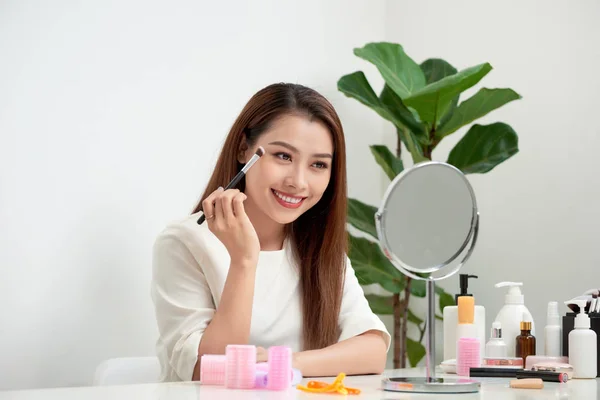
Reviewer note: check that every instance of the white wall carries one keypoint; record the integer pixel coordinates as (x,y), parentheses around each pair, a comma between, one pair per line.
(539,214)
(111,116)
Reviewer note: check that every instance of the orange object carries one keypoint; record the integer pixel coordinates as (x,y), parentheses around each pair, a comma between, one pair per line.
(324,387)
(529,383)
(466,310)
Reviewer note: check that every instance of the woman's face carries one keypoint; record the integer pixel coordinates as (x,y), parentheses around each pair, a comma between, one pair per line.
(294,172)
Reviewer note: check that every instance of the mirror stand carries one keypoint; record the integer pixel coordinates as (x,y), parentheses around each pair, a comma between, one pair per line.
(430,383)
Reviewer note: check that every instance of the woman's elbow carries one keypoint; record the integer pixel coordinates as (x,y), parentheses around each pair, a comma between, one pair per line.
(377,353)
(379,361)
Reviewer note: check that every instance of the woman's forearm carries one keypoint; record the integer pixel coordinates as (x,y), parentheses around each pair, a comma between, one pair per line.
(231,322)
(362,354)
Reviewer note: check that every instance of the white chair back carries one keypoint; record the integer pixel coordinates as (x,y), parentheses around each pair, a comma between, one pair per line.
(127,371)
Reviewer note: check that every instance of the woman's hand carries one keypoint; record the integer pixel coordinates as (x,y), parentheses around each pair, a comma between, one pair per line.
(262,355)
(228,221)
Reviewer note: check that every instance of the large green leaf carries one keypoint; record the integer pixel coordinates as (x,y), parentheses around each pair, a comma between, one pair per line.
(391,164)
(398,70)
(411,142)
(418,288)
(384,305)
(362,216)
(415,350)
(445,300)
(394,104)
(381,305)
(372,266)
(434,100)
(483,102)
(413,318)
(483,147)
(436,69)
(356,86)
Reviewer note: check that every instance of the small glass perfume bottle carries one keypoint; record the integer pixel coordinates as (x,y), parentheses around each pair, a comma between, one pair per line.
(525,342)
(496,347)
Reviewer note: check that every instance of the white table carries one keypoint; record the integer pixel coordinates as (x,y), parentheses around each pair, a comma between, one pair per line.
(369,384)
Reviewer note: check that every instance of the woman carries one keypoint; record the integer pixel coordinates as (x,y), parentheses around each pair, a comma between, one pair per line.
(269,265)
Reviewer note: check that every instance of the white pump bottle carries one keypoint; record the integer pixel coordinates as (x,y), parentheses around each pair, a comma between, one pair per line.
(511,315)
(582,345)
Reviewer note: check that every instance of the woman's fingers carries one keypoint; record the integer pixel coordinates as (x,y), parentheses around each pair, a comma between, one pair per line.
(238,205)
(226,205)
(262,355)
(208,205)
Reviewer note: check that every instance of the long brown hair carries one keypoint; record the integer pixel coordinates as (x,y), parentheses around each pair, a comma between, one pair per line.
(318,237)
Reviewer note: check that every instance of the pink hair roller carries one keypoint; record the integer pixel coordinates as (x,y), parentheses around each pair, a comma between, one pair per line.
(280,368)
(261,380)
(296,376)
(212,369)
(262,366)
(467,355)
(262,369)
(240,368)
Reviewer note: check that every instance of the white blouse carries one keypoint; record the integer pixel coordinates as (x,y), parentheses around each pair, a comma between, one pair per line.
(190,265)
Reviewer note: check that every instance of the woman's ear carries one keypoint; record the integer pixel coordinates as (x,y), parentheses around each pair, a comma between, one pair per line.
(242,150)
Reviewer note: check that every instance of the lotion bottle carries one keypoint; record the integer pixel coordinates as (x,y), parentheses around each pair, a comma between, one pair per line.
(583,345)
(511,314)
(450,314)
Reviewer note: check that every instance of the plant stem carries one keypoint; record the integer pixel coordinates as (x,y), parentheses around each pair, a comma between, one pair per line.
(427,152)
(422,331)
(397,318)
(399,345)
(398,146)
(404,313)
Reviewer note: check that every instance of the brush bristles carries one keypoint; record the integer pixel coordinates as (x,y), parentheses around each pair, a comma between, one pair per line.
(260,151)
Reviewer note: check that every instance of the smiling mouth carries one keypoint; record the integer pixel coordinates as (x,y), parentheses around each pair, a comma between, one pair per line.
(286,200)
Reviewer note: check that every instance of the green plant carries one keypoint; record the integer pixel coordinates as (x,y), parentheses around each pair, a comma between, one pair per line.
(422,102)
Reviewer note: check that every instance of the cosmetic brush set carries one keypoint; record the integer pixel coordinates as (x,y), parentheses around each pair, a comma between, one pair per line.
(511,349)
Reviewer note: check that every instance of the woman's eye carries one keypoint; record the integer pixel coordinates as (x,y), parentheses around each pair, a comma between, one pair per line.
(283,156)
(320,165)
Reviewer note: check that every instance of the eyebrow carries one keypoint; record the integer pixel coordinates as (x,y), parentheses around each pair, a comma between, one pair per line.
(295,150)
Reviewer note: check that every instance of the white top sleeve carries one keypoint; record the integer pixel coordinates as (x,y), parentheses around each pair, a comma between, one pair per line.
(356,316)
(183,303)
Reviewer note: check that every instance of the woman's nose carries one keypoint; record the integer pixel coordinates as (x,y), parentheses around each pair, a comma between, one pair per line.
(297,179)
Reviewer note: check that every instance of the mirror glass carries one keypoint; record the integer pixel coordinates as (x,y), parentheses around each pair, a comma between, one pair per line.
(427,217)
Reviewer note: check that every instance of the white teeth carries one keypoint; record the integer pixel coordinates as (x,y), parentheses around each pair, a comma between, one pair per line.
(286,198)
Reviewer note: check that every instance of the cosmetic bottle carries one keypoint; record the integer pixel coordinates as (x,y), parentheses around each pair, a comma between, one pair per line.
(552,331)
(495,347)
(450,314)
(525,342)
(468,345)
(583,351)
(510,315)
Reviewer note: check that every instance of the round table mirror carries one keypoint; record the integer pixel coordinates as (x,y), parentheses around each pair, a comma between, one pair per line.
(427,226)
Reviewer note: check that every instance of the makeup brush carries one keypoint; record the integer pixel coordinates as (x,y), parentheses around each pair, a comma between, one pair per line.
(236,179)
(593,302)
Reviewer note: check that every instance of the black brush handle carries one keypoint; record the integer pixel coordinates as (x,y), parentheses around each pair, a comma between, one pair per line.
(491,372)
(236,179)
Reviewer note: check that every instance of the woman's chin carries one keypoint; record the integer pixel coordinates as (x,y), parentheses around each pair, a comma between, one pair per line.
(285,219)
